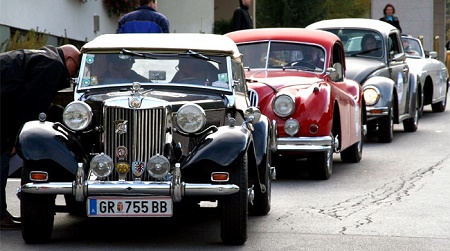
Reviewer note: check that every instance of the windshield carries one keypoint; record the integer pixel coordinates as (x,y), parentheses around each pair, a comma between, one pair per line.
(412,47)
(285,55)
(363,43)
(121,69)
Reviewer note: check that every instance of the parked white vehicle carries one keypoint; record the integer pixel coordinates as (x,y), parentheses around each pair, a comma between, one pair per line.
(431,73)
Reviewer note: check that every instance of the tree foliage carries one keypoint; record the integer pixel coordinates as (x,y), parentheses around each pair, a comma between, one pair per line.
(300,13)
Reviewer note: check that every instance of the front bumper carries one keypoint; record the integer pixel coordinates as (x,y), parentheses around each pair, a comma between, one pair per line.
(81,188)
(376,112)
(306,144)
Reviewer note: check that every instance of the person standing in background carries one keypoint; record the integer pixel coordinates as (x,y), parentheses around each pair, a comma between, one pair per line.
(145,19)
(241,17)
(389,17)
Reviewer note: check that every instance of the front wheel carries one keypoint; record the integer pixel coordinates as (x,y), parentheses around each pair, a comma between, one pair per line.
(440,106)
(320,166)
(262,200)
(386,126)
(37,212)
(411,124)
(234,214)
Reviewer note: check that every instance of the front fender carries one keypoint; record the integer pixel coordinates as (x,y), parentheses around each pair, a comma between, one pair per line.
(39,140)
(261,132)
(414,87)
(221,147)
(386,88)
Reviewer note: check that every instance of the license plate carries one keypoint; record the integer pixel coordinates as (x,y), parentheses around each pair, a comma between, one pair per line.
(129,207)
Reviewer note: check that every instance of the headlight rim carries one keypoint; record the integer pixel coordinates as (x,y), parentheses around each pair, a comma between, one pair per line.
(276,110)
(200,123)
(88,112)
(376,91)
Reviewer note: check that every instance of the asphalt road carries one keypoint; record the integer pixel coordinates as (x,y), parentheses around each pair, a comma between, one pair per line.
(396,198)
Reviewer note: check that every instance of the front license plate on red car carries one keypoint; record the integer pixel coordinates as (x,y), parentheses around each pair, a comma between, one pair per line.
(129,207)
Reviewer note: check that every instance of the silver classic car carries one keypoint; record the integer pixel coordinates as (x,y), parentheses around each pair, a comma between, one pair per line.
(157,122)
(431,73)
(376,59)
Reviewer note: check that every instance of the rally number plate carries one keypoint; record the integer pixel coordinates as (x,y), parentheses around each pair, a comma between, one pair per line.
(129,207)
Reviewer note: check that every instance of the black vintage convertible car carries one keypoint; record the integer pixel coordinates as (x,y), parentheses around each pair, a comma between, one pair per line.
(156,121)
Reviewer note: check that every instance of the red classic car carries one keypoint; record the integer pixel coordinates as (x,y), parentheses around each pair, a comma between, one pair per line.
(297,78)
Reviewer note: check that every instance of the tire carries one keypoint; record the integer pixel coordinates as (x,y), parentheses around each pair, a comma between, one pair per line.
(411,124)
(386,126)
(440,106)
(320,166)
(234,208)
(37,212)
(262,200)
(353,154)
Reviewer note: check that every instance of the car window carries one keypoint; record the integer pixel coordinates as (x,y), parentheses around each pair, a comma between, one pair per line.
(412,47)
(360,42)
(394,45)
(119,69)
(274,54)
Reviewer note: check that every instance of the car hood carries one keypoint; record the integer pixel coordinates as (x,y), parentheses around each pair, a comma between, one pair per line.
(282,79)
(175,98)
(359,68)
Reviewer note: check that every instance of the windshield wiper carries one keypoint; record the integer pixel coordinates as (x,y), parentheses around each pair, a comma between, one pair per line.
(363,52)
(198,55)
(138,54)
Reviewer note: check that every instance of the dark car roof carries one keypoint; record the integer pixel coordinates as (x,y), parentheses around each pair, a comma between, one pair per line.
(326,39)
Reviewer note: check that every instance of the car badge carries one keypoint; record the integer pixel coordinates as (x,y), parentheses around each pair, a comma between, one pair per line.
(120,206)
(138,168)
(122,167)
(121,152)
(135,103)
(121,126)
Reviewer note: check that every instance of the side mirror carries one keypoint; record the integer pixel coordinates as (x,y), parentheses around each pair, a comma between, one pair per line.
(433,54)
(335,72)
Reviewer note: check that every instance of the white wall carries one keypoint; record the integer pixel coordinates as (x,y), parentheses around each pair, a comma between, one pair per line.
(76,19)
(416,17)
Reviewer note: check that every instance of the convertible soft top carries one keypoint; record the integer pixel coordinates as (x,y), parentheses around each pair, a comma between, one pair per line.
(211,43)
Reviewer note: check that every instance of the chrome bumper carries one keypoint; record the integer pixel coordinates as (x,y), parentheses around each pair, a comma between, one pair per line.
(176,189)
(375,112)
(306,144)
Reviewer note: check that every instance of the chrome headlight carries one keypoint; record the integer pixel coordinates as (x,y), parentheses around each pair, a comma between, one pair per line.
(371,95)
(102,165)
(283,105)
(191,118)
(158,166)
(291,127)
(77,115)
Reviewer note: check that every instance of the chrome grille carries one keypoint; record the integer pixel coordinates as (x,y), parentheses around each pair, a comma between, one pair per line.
(253,96)
(144,136)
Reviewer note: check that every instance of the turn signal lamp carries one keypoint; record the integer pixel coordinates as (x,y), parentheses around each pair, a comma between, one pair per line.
(220,176)
(38,176)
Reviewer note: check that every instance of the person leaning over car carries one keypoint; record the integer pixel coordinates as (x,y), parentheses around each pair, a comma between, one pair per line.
(29,79)
(145,19)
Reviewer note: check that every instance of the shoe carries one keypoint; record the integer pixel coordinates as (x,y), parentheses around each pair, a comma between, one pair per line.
(8,223)
(14,218)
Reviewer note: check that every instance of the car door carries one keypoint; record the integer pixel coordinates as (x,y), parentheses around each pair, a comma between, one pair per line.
(399,70)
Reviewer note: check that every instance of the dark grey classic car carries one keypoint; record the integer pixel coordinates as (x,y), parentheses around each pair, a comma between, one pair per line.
(158,122)
(376,59)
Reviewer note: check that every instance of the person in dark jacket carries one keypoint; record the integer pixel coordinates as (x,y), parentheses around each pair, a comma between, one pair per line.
(29,80)
(241,18)
(389,17)
(145,19)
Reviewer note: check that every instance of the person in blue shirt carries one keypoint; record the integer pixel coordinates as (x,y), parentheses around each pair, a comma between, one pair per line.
(389,17)
(145,19)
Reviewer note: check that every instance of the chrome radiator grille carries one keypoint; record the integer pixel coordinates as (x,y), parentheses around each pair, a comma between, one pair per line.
(253,96)
(141,132)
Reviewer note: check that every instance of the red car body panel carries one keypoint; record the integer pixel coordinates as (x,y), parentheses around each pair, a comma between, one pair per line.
(316,95)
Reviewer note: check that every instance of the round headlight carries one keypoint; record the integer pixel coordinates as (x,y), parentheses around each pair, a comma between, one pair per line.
(371,95)
(102,165)
(291,127)
(158,166)
(191,118)
(77,115)
(283,105)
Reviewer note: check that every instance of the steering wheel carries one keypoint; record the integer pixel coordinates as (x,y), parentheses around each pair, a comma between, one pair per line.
(300,63)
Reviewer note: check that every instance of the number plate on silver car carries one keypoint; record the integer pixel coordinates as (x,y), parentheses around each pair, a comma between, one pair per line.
(129,207)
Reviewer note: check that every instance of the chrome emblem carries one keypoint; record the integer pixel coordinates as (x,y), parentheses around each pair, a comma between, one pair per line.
(121,126)
(138,168)
(121,152)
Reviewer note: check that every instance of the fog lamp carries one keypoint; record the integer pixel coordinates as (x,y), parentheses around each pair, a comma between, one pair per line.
(101,165)
(291,127)
(158,166)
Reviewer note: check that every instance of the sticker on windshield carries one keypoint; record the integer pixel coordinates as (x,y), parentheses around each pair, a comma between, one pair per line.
(86,82)
(90,59)
(223,77)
